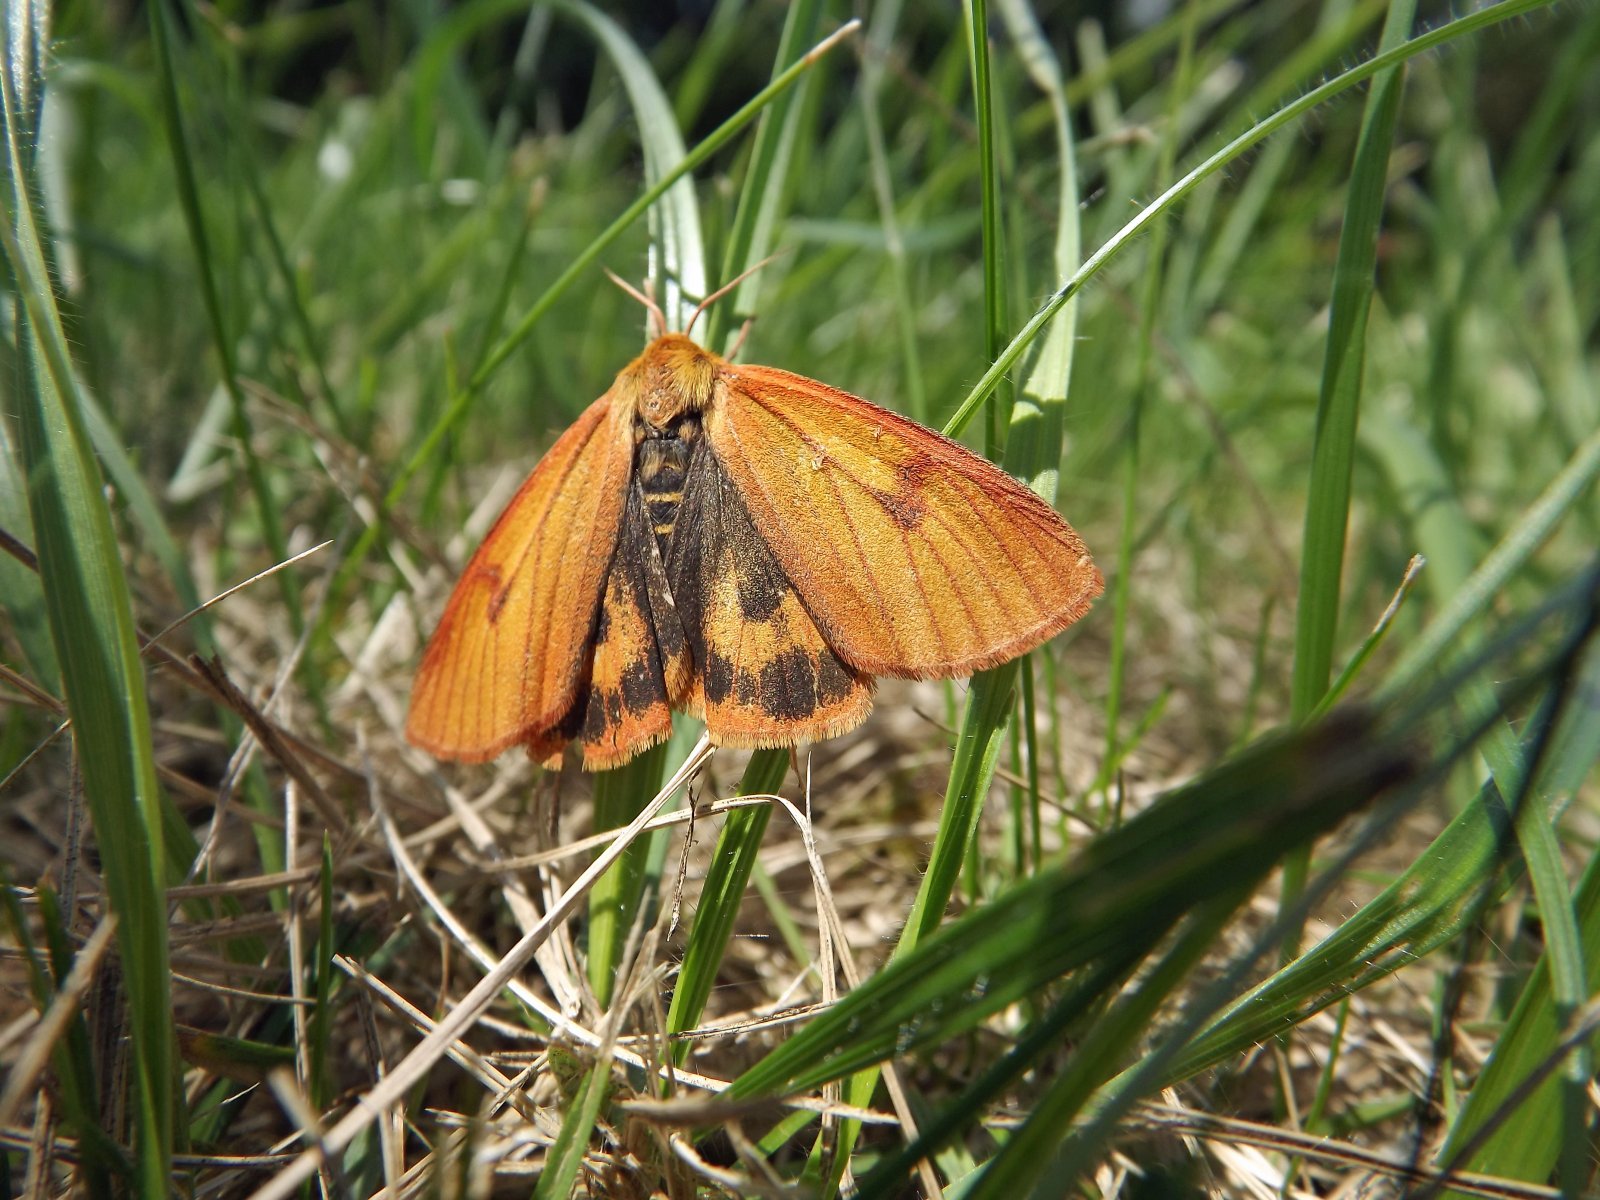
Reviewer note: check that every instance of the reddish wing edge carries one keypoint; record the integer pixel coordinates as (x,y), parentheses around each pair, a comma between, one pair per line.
(505,662)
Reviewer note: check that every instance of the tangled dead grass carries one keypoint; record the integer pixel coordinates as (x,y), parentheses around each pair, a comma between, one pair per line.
(436,874)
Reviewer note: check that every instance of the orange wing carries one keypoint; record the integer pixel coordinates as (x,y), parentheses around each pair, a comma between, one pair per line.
(506,661)
(916,557)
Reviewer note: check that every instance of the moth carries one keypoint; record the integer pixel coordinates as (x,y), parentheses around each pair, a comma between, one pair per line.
(743,544)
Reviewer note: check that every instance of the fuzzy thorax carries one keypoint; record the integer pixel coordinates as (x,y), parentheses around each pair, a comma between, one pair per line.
(672,377)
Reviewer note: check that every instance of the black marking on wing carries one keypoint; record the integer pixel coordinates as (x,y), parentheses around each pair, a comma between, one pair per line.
(716,538)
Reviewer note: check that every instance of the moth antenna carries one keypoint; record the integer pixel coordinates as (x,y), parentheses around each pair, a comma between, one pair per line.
(643,298)
(726,288)
(738,342)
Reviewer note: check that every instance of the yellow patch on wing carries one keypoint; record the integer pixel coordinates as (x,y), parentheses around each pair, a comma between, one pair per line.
(766,677)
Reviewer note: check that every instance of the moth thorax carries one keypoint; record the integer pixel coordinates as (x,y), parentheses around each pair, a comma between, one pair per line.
(673,377)
(661,463)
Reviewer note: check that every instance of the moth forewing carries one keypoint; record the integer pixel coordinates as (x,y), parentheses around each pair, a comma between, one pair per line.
(505,661)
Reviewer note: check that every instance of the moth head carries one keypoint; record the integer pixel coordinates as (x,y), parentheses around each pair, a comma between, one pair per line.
(672,377)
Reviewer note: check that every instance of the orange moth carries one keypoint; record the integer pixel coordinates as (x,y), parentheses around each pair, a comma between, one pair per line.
(743,544)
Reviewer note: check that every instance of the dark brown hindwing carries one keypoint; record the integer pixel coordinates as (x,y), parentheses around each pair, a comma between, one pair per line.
(763,675)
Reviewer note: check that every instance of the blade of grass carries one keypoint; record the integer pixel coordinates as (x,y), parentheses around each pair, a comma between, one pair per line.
(735,855)
(559,1178)
(1527,1146)
(266,505)
(674,224)
(1149,302)
(994,300)
(493,315)
(972,768)
(1038,423)
(91,622)
(1133,882)
(880,35)
(1373,640)
(1339,406)
(615,898)
(763,194)
(1339,401)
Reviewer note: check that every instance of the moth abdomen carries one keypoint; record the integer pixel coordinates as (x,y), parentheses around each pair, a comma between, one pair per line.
(661,464)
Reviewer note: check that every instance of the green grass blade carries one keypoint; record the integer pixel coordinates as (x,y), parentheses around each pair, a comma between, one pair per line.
(1339,401)
(559,1178)
(26,30)
(1038,421)
(675,222)
(972,769)
(267,511)
(994,299)
(764,191)
(614,900)
(1526,1144)
(1149,301)
(1333,446)
(91,622)
(880,34)
(145,511)
(737,848)
(1132,883)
